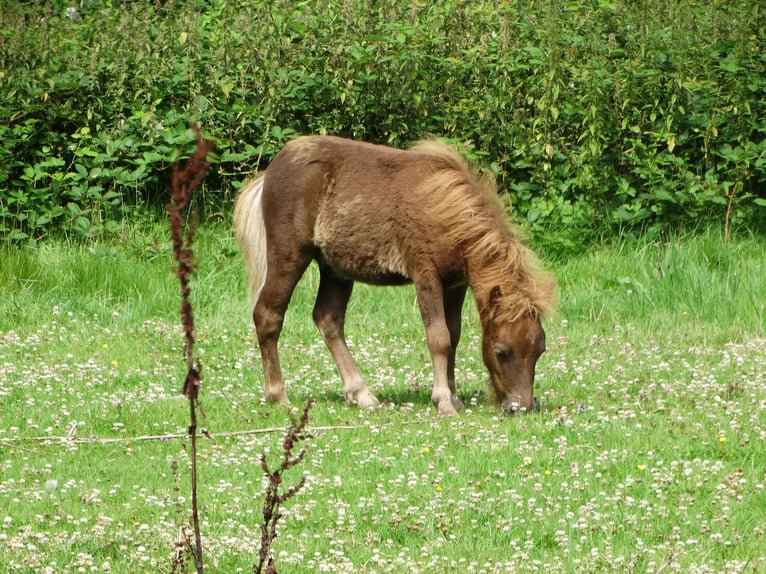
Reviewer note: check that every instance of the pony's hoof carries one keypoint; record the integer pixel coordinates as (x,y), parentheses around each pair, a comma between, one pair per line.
(278,399)
(446,410)
(364,400)
(457,403)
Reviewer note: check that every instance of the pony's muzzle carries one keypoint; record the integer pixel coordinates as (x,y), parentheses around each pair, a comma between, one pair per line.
(512,406)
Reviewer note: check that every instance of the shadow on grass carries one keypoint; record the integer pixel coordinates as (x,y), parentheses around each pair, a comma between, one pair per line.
(418,398)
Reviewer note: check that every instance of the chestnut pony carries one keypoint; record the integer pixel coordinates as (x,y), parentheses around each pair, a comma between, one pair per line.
(384,216)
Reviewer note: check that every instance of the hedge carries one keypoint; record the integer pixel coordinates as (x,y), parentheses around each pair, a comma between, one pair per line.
(595,115)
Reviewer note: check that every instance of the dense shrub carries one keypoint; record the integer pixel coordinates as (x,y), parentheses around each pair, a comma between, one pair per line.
(594,114)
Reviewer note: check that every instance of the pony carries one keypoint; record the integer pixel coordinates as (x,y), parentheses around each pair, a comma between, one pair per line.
(385,216)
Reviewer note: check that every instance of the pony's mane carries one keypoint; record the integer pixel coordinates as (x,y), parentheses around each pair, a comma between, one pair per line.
(467,205)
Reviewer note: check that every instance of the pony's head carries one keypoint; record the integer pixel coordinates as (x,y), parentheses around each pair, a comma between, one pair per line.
(511,348)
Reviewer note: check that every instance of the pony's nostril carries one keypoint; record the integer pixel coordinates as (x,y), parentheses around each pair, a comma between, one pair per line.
(512,405)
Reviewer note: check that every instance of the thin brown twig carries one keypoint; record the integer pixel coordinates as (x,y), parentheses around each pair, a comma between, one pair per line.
(727,219)
(273,500)
(672,558)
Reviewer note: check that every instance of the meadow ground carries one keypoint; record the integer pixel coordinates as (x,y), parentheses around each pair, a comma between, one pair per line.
(647,455)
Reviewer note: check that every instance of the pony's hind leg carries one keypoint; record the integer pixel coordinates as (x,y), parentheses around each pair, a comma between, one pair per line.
(330,315)
(268,316)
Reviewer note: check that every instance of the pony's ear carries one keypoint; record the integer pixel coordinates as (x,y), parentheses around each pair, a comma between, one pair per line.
(494,295)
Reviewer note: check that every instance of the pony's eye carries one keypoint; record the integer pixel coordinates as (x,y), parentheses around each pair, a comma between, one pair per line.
(502,352)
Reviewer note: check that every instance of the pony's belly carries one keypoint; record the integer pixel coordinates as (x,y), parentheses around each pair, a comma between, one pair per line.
(361,250)
(378,267)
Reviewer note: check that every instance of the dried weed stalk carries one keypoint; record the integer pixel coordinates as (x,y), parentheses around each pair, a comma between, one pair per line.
(184,182)
(295,434)
(184,548)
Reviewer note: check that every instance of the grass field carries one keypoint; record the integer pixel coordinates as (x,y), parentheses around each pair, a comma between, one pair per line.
(648,453)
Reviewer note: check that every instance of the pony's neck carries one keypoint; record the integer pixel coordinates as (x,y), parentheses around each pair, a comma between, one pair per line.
(482,305)
(486,286)
(501,284)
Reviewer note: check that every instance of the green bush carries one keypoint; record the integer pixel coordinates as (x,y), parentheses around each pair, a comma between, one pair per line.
(595,115)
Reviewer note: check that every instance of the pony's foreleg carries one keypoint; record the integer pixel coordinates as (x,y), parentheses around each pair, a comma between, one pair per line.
(329,316)
(453,310)
(430,294)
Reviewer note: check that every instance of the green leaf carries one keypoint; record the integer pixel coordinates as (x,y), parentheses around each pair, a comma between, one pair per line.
(663,195)
(624,214)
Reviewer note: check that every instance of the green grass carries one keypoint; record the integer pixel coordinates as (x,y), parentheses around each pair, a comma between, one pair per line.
(647,453)
(688,283)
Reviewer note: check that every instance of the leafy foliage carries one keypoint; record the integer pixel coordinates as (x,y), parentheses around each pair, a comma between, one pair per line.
(594,114)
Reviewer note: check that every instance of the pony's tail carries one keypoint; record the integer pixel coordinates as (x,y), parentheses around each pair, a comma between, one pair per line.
(251,233)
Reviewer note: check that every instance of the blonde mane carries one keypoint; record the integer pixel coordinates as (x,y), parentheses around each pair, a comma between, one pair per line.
(468,207)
